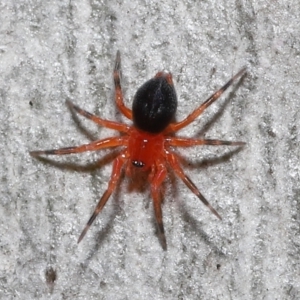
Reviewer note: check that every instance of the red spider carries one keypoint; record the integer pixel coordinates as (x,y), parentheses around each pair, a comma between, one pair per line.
(147,144)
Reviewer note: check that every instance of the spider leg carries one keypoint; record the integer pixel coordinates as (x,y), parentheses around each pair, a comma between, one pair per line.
(198,111)
(173,161)
(116,172)
(118,90)
(186,142)
(156,182)
(93,146)
(106,123)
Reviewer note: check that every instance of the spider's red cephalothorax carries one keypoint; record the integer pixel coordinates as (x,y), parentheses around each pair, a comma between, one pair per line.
(147,144)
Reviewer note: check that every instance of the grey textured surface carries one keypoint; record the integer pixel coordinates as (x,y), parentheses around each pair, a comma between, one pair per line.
(54,50)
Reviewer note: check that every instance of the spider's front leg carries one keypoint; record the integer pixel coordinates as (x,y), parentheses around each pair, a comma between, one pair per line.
(173,161)
(157,178)
(115,176)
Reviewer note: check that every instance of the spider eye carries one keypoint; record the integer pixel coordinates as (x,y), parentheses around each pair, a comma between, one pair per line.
(155,104)
(137,163)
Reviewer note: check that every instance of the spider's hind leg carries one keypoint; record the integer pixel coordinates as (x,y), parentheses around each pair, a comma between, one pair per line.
(105,123)
(118,89)
(198,111)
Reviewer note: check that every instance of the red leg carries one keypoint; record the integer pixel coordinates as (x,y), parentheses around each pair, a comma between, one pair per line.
(156,182)
(116,171)
(198,111)
(173,161)
(118,90)
(186,142)
(105,123)
(93,146)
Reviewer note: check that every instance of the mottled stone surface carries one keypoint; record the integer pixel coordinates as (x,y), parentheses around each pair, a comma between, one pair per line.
(51,51)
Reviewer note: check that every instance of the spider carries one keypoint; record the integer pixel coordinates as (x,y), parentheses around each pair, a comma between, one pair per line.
(148,144)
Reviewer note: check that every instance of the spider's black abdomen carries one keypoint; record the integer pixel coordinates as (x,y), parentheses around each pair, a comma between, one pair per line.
(155,104)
